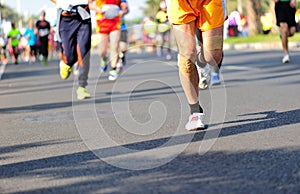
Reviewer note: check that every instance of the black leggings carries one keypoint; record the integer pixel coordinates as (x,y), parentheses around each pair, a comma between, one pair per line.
(43,48)
(15,52)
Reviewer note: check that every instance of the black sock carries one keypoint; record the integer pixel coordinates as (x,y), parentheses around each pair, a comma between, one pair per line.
(104,58)
(123,58)
(196,108)
(220,64)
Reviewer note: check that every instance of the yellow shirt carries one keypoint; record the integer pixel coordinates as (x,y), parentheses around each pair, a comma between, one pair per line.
(162,19)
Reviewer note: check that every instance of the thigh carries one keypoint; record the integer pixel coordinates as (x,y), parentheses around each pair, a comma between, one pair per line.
(15,50)
(199,36)
(103,45)
(43,43)
(124,36)
(84,36)
(291,17)
(284,26)
(186,40)
(213,45)
(181,12)
(114,38)
(69,40)
(213,39)
(285,14)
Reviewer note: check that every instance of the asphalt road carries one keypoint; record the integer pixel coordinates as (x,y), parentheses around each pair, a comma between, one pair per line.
(130,137)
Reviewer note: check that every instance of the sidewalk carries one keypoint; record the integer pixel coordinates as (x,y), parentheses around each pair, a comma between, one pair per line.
(259,46)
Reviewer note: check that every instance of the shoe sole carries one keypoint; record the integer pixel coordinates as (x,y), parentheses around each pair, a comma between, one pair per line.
(82,98)
(216,83)
(112,78)
(204,127)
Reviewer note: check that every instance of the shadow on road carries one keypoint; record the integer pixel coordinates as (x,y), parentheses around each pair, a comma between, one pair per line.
(34,108)
(268,119)
(264,66)
(15,148)
(29,73)
(268,171)
(261,171)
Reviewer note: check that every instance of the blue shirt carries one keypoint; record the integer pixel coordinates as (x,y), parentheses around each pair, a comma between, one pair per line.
(123,24)
(32,37)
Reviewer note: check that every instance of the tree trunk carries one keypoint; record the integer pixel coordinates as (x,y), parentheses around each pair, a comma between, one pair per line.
(240,6)
(274,29)
(254,12)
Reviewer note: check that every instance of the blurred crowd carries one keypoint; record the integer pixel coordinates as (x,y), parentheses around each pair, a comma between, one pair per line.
(149,34)
(34,42)
(237,24)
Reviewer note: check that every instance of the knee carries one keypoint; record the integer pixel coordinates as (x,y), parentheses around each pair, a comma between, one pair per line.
(188,54)
(103,50)
(292,31)
(284,27)
(113,51)
(70,61)
(213,47)
(185,64)
(114,48)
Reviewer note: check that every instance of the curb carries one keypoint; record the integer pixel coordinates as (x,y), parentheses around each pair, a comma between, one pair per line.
(259,46)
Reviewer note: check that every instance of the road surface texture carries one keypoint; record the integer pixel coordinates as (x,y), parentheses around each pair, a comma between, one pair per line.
(130,137)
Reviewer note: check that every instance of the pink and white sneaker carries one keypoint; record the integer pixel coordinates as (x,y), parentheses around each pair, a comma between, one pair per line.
(195,122)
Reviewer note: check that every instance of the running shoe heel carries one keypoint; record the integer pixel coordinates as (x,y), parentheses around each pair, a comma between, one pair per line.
(82,93)
(215,79)
(195,122)
(64,70)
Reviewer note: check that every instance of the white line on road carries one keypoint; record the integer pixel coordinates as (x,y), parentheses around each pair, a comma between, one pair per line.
(240,68)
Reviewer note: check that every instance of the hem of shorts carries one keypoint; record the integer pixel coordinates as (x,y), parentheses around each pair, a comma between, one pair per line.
(185,22)
(189,21)
(217,26)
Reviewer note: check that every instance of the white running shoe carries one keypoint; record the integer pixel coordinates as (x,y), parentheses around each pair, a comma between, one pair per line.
(286,58)
(204,77)
(195,122)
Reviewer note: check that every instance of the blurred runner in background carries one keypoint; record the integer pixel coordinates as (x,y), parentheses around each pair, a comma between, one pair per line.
(285,11)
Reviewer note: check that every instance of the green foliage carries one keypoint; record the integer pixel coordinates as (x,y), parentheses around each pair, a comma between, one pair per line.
(260,38)
(152,7)
(8,13)
(232,5)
